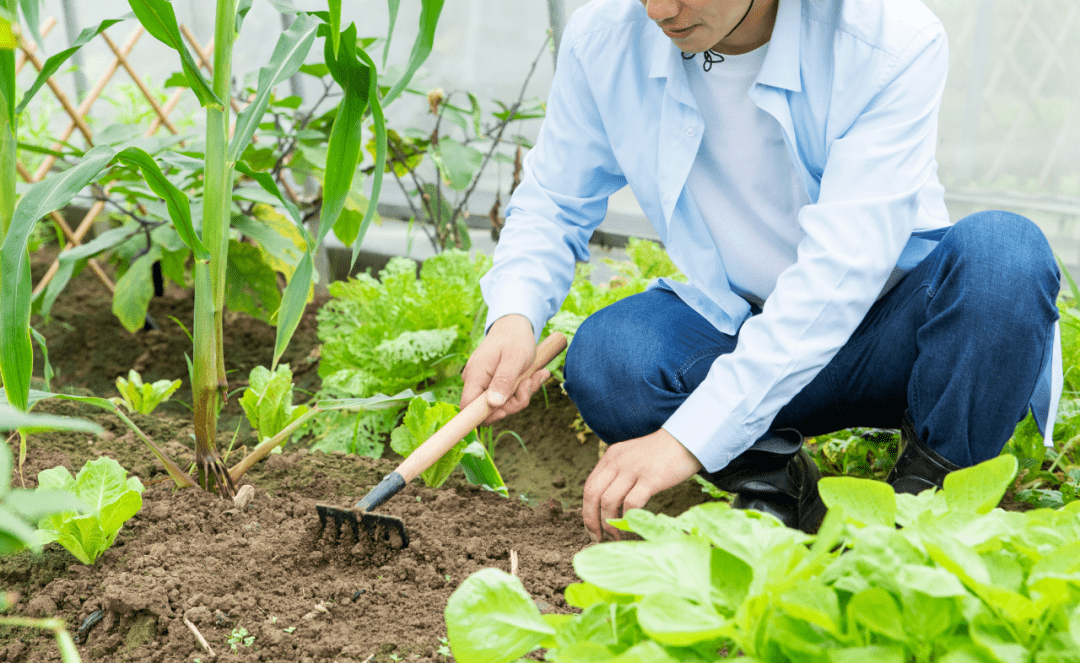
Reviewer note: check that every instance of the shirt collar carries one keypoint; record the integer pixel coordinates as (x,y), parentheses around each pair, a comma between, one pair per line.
(781,66)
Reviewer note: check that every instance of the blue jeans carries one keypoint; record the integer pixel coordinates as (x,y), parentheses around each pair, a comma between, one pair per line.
(960,342)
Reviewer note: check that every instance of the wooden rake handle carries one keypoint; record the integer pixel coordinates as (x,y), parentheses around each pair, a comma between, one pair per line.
(472,416)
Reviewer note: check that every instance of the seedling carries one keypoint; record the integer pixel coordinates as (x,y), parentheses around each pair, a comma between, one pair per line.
(240,637)
(137,396)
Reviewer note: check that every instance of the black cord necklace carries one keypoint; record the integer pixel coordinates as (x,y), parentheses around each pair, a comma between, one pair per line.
(711,56)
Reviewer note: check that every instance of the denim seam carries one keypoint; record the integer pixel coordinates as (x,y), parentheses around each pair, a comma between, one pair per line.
(685,367)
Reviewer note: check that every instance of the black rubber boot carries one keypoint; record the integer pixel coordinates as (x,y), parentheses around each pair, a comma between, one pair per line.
(917,467)
(775,476)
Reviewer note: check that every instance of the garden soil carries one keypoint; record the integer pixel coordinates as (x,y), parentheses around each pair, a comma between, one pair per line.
(255,582)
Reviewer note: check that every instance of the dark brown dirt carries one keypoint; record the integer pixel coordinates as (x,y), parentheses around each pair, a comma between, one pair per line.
(190,555)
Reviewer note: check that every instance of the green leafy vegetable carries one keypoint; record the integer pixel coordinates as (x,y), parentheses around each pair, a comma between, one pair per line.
(110,498)
(961,581)
(267,401)
(21,509)
(137,396)
(420,422)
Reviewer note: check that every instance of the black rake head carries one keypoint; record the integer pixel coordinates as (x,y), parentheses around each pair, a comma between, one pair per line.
(348,523)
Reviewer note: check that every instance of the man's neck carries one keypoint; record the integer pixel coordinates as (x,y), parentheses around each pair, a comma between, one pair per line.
(754,32)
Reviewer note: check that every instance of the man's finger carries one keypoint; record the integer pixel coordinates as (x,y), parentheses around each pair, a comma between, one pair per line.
(611,502)
(600,478)
(511,365)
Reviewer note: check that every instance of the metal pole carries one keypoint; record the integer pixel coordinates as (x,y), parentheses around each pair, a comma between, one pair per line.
(71,27)
(556,15)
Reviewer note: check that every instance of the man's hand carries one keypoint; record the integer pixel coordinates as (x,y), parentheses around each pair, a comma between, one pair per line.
(508,349)
(629,474)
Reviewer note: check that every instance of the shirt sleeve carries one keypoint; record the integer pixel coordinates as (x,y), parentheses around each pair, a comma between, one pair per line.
(562,198)
(855,232)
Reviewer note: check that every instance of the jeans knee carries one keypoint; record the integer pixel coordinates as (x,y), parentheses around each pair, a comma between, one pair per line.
(1002,251)
(1007,244)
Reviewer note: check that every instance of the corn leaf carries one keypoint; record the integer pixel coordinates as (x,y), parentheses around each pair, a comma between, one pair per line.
(53,64)
(52,193)
(345,142)
(175,200)
(289,53)
(158,18)
(293,301)
(380,156)
(425,39)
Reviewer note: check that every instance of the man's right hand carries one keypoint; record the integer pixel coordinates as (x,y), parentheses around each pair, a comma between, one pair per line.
(506,352)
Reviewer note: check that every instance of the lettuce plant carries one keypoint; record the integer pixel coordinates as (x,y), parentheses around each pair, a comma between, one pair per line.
(267,401)
(110,499)
(420,422)
(958,580)
(141,397)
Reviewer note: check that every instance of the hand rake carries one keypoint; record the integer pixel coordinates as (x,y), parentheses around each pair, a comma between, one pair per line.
(391,528)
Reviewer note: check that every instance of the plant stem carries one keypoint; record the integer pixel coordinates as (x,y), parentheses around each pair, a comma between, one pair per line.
(210,278)
(268,445)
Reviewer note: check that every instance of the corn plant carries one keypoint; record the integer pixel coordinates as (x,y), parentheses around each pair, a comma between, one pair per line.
(351,68)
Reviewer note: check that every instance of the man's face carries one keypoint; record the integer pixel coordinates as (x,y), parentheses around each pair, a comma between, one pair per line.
(697,25)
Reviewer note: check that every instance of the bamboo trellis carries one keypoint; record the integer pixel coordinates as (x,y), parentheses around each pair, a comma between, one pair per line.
(78,114)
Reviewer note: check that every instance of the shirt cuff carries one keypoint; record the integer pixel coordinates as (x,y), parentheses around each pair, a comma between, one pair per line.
(715,440)
(500,306)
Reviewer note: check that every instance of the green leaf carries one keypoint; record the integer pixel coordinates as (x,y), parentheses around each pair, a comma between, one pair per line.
(176,200)
(490,618)
(392,9)
(74,256)
(345,142)
(52,193)
(584,594)
(53,64)
(875,653)
(863,501)
(142,397)
(110,499)
(676,567)
(134,289)
(421,421)
(12,419)
(158,18)
(425,39)
(293,302)
(479,466)
(266,181)
(876,610)
(379,123)
(289,53)
(267,401)
(678,621)
(334,7)
(250,282)
(980,488)
(458,163)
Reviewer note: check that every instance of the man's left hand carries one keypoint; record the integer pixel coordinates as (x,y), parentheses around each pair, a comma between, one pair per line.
(629,474)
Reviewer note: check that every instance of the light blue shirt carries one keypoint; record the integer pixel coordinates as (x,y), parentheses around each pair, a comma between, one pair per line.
(855,86)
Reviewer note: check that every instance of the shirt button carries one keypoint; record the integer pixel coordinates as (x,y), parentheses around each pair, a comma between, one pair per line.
(690,131)
(665,198)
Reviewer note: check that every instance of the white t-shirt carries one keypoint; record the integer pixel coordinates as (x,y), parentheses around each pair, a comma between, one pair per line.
(742,180)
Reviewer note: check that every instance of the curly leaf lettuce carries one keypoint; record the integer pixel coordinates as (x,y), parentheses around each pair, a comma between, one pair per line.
(110,497)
